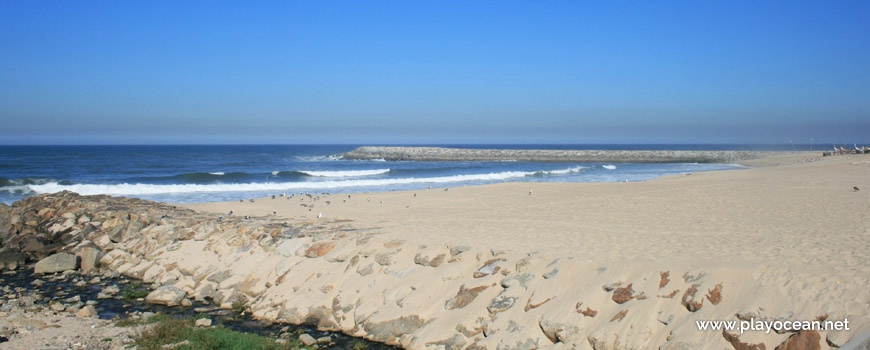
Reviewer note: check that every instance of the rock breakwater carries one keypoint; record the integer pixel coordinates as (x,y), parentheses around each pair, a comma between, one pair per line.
(585,156)
(335,276)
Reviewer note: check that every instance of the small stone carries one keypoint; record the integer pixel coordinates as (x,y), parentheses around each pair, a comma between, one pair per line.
(611,286)
(324,340)
(623,295)
(459,250)
(319,249)
(203,322)
(307,339)
(464,297)
(501,303)
(186,302)
(57,307)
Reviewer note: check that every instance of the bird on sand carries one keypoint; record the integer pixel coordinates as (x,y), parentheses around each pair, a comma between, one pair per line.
(855,188)
(319,215)
(231,212)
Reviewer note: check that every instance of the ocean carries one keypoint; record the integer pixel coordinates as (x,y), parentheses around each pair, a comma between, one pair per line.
(207,173)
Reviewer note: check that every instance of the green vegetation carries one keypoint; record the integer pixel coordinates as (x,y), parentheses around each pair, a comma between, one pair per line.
(239,306)
(186,337)
(133,291)
(357,344)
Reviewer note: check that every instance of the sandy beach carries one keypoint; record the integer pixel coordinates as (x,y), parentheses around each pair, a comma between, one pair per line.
(709,260)
(786,239)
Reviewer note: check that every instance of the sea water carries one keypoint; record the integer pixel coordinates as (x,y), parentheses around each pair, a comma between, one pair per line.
(207,173)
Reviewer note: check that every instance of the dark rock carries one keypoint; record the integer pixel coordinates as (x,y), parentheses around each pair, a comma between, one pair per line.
(12,260)
(734,339)
(802,340)
(464,297)
(623,295)
(689,299)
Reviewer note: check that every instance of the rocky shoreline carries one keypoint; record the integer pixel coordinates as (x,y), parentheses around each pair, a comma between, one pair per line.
(584,156)
(332,275)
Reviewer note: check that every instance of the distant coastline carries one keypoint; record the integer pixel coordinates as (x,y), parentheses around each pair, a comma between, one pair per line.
(587,156)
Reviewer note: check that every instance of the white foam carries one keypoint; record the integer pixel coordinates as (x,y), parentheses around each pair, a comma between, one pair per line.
(562,171)
(217,173)
(150,189)
(346,173)
(609,167)
(319,158)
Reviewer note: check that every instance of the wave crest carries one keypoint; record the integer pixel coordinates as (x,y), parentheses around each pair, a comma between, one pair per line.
(149,189)
(345,173)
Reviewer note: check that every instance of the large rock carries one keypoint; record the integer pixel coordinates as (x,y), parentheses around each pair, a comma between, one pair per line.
(57,263)
(166,295)
(390,331)
(90,259)
(860,341)
(12,260)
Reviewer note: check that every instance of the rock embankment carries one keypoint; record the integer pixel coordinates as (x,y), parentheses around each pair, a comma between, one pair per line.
(583,156)
(367,284)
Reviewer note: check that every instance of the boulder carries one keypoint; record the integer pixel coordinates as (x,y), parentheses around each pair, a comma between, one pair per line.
(203,322)
(90,259)
(12,260)
(166,295)
(57,263)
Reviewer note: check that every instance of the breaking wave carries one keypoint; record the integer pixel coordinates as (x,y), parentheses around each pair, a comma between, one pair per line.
(125,189)
(345,173)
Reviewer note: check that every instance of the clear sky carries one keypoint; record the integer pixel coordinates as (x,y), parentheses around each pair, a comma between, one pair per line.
(119,72)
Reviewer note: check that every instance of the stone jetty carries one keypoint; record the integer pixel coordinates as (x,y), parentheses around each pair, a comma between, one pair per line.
(335,276)
(583,156)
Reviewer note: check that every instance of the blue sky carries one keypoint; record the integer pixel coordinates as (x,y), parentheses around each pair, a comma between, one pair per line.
(120,72)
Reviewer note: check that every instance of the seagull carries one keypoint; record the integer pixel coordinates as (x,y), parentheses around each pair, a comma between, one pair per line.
(855,188)
(220,217)
(231,212)
(530,192)
(273,196)
(247,217)
(319,215)
(252,200)
(274,212)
